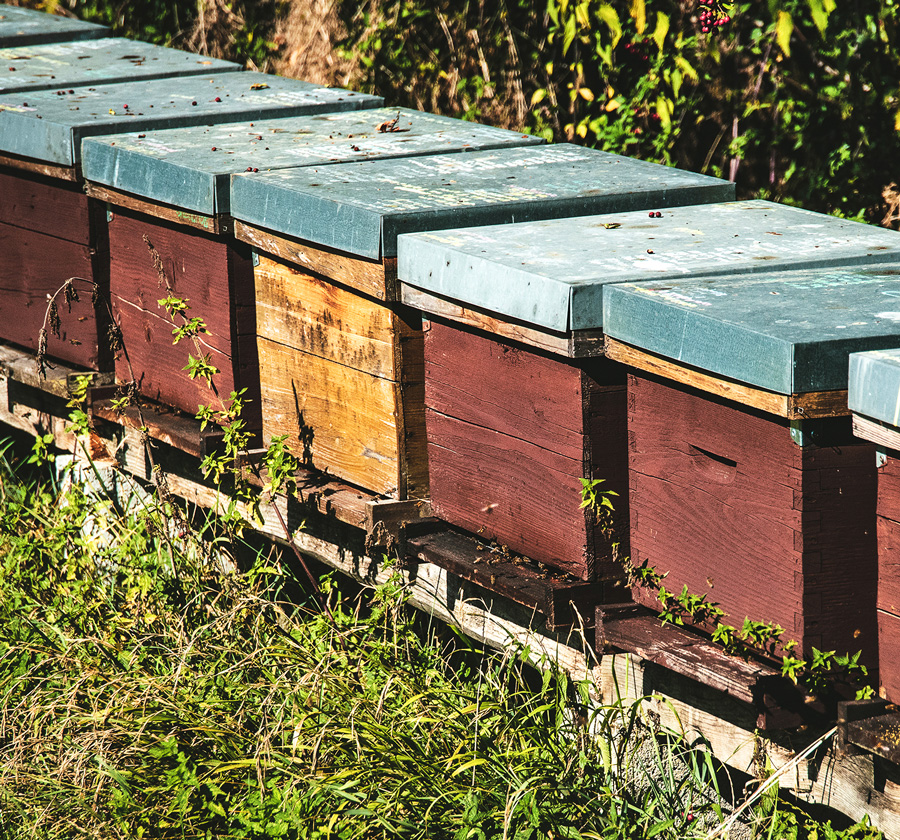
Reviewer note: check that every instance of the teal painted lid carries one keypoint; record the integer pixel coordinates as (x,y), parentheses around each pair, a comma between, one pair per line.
(20,26)
(789,332)
(191,168)
(552,274)
(49,125)
(875,383)
(361,208)
(101,61)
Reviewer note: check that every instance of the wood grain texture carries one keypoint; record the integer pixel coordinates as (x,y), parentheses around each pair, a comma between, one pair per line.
(526,427)
(365,429)
(45,205)
(37,167)
(503,488)
(876,432)
(889,487)
(888,565)
(33,266)
(302,310)
(727,504)
(377,278)
(791,406)
(889,655)
(216,278)
(220,224)
(521,583)
(452,310)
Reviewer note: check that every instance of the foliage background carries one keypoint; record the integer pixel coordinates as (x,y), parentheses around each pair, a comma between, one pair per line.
(795,100)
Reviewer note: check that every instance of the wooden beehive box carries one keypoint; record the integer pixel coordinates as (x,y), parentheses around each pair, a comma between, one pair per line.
(536,289)
(747,485)
(873,397)
(49,229)
(339,225)
(172,187)
(22,27)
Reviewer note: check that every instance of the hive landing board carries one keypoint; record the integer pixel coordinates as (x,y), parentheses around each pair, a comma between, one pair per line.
(552,274)
(192,168)
(360,209)
(49,125)
(20,26)
(789,332)
(102,61)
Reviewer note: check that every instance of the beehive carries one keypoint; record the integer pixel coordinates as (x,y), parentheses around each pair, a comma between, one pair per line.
(50,230)
(536,289)
(339,226)
(171,187)
(22,27)
(874,395)
(747,484)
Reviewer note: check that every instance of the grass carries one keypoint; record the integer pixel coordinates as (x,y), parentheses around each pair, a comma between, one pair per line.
(149,690)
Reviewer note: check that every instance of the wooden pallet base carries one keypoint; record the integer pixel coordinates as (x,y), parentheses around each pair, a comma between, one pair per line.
(381,519)
(562,600)
(776,701)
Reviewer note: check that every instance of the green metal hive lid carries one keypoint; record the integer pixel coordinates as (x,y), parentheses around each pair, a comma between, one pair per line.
(49,125)
(20,26)
(789,331)
(552,274)
(875,383)
(101,61)
(361,208)
(191,168)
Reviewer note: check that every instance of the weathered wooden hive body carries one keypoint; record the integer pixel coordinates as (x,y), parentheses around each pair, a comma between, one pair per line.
(874,397)
(172,187)
(341,361)
(49,229)
(22,27)
(747,484)
(508,444)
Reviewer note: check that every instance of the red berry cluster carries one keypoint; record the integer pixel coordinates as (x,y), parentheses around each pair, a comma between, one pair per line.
(712,15)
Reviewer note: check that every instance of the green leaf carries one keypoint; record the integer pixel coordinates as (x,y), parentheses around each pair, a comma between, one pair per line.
(659,34)
(569,34)
(639,14)
(610,17)
(784,26)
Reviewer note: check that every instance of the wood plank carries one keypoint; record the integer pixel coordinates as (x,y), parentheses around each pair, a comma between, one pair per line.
(51,206)
(21,366)
(505,387)
(685,653)
(793,406)
(215,278)
(34,266)
(723,500)
(879,735)
(888,486)
(557,343)
(562,602)
(37,167)
(302,310)
(377,278)
(889,656)
(361,428)
(876,432)
(502,488)
(219,224)
(888,565)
